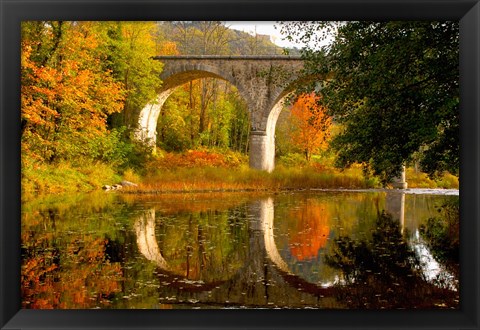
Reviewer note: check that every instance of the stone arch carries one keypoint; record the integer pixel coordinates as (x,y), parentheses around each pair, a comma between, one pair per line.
(173,78)
(262,151)
(262,81)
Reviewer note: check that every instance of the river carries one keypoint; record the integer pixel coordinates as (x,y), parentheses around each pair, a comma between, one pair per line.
(372,249)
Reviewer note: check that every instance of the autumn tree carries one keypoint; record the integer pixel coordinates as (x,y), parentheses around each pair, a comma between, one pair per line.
(130,48)
(66,93)
(311,125)
(167,48)
(394,86)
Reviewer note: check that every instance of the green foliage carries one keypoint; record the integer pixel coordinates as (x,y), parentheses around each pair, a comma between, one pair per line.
(239,126)
(394,86)
(203,113)
(111,148)
(120,151)
(292,160)
(129,48)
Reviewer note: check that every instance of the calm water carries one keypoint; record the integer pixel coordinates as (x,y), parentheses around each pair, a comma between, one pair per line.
(294,250)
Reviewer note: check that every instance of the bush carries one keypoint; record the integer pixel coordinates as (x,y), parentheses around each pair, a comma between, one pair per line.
(113,148)
(292,160)
(130,175)
(417,179)
(198,158)
(448,181)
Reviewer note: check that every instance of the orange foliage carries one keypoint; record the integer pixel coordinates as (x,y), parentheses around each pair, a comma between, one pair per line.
(84,278)
(68,96)
(197,158)
(312,124)
(311,230)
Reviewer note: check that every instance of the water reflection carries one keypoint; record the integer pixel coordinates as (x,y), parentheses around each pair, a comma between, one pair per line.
(322,250)
(395,206)
(432,270)
(265,219)
(146,241)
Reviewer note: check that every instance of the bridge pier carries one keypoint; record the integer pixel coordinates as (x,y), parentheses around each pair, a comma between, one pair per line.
(262,151)
(400,182)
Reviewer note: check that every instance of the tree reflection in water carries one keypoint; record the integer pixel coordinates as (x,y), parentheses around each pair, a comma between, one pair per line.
(442,235)
(384,271)
(105,251)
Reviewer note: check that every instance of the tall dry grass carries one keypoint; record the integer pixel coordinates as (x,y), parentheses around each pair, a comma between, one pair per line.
(205,178)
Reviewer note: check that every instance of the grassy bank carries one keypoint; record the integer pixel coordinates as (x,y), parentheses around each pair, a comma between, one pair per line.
(204,179)
(206,171)
(65,178)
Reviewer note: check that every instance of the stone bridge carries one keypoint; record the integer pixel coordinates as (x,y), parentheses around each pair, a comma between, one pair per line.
(262,81)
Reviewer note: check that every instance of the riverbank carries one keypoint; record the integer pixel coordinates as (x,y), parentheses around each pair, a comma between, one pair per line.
(199,172)
(202,179)
(65,178)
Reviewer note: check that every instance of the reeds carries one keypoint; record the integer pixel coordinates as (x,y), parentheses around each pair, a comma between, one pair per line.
(205,179)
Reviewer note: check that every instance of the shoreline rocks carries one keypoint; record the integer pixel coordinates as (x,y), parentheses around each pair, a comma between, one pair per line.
(120,185)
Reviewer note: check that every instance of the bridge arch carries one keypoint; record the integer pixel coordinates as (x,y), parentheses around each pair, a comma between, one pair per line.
(262,81)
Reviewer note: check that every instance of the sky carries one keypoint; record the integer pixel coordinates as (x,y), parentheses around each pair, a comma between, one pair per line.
(272,29)
(263,28)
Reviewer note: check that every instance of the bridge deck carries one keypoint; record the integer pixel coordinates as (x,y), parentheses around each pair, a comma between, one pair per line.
(229,57)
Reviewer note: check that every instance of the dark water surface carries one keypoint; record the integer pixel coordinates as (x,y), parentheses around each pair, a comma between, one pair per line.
(291,250)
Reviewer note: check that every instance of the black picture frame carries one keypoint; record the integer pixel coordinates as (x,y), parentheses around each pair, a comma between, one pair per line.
(14,11)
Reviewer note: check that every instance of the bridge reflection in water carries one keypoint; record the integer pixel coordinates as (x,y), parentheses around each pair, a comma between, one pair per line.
(264,279)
